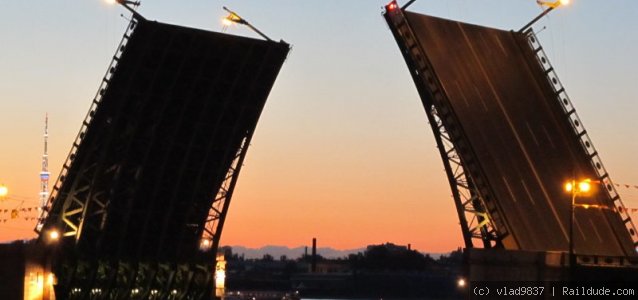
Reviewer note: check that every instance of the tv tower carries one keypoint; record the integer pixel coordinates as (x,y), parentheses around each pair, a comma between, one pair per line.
(44,174)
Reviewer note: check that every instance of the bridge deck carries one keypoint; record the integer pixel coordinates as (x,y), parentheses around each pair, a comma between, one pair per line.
(172,119)
(522,139)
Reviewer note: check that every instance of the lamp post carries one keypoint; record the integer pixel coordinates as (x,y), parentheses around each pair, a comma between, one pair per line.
(126,4)
(575,187)
(235,18)
(550,6)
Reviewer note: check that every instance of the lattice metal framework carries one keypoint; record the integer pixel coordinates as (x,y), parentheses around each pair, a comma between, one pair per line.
(141,280)
(478,218)
(154,166)
(74,209)
(511,89)
(211,235)
(579,129)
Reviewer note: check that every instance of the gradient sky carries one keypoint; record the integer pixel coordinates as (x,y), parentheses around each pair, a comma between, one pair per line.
(343,151)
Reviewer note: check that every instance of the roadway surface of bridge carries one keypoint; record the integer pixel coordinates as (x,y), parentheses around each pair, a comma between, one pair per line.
(520,137)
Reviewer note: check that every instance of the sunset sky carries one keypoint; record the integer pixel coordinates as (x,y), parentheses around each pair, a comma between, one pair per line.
(343,151)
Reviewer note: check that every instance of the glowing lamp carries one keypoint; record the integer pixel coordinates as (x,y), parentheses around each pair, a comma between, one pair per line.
(575,188)
(569,187)
(4,191)
(553,4)
(205,244)
(584,186)
(232,18)
(461,282)
(54,235)
(220,272)
(220,279)
(123,2)
(235,18)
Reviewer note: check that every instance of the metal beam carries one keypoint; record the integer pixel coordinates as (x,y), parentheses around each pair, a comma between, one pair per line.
(477,222)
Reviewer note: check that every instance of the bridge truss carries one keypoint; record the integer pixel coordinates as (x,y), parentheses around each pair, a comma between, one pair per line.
(477,224)
(142,197)
(455,66)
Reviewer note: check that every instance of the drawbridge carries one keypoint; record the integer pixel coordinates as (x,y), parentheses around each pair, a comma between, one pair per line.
(138,209)
(510,137)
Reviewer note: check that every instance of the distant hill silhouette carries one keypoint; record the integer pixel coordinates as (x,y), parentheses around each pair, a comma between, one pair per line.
(294,253)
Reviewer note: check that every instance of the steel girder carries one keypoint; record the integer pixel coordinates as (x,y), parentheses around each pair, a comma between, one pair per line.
(579,130)
(106,280)
(478,216)
(133,238)
(75,207)
(219,208)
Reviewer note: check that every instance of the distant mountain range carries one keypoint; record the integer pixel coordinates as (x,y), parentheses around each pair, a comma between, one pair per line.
(293,253)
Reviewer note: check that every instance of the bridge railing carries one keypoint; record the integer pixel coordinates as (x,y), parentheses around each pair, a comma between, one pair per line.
(579,130)
(85,124)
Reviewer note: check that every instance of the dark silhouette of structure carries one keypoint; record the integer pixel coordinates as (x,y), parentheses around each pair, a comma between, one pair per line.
(313,261)
(509,138)
(139,207)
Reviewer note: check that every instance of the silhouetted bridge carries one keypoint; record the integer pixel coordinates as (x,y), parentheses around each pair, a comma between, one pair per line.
(142,197)
(510,138)
(141,200)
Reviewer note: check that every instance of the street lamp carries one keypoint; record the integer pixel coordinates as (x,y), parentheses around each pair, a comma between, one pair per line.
(205,244)
(461,283)
(53,235)
(554,4)
(550,6)
(126,4)
(235,18)
(575,188)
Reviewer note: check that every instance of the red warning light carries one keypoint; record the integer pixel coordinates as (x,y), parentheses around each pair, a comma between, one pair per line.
(392,6)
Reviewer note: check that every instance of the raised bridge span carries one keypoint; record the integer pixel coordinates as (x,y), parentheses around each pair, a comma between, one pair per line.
(509,138)
(142,197)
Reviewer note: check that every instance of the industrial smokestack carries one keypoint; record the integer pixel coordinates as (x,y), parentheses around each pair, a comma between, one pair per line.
(313,267)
